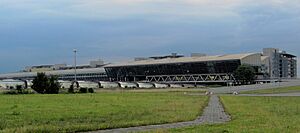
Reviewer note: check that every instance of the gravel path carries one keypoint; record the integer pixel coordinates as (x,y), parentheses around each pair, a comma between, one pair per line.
(213,113)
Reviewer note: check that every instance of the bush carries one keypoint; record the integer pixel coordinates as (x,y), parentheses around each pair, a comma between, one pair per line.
(71,89)
(16,92)
(54,86)
(40,83)
(19,88)
(83,90)
(27,92)
(91,90)
(11,92)
(44,85)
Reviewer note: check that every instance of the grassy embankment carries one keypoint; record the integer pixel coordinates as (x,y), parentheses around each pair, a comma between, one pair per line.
(85,112)
(255,114)
(275,90)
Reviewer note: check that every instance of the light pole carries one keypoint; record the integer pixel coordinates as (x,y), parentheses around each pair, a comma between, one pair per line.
(75,63)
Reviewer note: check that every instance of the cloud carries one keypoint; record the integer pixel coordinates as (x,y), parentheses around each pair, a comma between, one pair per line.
(107,9)
(164,10)
(107,28)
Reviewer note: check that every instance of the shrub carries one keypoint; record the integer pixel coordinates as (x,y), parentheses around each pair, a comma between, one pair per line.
(11,92)
(71,89)
(83,90)
(53,86)
(19,88)
(91,90)
(44,85)
(26,91)
(15,92)
(40,83)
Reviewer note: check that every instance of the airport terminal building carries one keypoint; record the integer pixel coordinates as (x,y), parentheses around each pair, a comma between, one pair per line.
(200,68)
(91,72)
(197,68)
(182,69)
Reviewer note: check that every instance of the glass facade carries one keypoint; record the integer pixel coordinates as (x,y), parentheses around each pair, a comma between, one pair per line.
(138,73)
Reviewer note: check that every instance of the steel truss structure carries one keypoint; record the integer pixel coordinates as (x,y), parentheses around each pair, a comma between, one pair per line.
(195,78)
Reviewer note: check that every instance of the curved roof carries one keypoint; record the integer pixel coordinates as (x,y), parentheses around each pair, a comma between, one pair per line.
(264,58)
(57,72)
(184,60)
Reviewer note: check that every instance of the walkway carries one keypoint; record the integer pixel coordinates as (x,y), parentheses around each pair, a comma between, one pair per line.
(213,113)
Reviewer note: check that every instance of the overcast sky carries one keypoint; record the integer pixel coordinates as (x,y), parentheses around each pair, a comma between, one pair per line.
(34,32)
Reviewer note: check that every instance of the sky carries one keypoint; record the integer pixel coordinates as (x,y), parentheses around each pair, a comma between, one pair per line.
(34,32)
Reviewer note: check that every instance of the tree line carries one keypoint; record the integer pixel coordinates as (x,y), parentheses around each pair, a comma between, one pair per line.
(43,84)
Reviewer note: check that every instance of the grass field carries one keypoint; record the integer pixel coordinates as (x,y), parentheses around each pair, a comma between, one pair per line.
(275,90)
(255,114)
(85,112)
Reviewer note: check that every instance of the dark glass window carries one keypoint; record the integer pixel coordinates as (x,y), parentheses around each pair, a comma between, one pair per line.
(140,72)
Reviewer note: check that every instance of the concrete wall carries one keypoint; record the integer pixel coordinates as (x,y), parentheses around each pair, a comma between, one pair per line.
(254,60)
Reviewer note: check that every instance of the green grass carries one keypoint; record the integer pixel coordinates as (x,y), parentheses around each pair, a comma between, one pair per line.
(255,114)
(275,90)
(85,112)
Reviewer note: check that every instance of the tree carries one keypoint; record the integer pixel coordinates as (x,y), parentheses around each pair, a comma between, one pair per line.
(44,85)
(91,90)
(19,88)
(71,89)
(245,74)
(54,85)
(40,83)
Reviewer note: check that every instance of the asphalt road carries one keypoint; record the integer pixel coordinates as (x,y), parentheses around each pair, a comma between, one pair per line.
(222,90)
(274,95)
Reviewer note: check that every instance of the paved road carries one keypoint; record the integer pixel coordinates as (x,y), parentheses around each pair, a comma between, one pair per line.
(222,90)
(272,95)
(213,113)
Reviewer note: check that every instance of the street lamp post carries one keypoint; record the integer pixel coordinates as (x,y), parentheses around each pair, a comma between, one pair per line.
(75,63)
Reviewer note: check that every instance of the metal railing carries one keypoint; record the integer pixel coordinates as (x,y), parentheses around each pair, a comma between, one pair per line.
(194,78)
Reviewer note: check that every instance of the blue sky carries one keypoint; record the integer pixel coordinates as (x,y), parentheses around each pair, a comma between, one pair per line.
(36,32)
